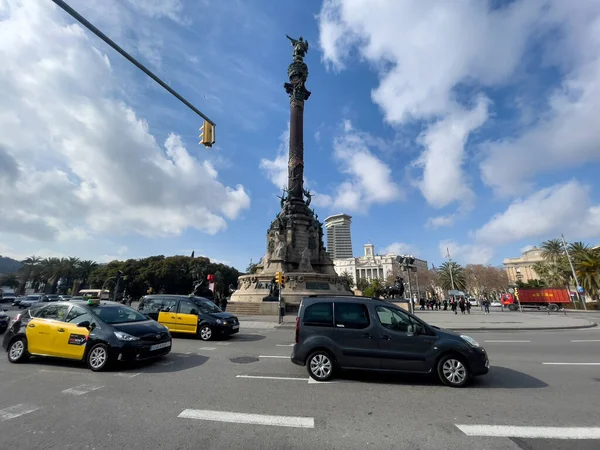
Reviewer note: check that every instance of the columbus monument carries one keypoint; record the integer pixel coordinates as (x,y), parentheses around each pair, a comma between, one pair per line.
(295,237)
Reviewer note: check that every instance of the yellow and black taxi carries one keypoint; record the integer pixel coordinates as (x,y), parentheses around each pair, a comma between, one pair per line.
(190,315)
(97,332)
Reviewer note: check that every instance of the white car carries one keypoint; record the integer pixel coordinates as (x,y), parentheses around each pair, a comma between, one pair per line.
(473,302)
(496,303)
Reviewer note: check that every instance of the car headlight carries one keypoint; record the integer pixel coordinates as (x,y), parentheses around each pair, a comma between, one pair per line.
(221,322)
(472,342)
(125,337)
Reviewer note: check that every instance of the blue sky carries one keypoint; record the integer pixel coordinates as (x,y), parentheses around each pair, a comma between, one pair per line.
(469,125)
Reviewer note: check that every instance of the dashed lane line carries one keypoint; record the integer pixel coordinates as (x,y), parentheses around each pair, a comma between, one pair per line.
(571,363)
(530,432)
(245,418)
(208,349)
(274,356)
(12,412)
(259,377)
(504,341)
(126,375)
(81,389)
(284,345)
(585,340)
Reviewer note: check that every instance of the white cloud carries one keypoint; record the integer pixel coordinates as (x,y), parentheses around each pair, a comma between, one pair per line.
(527,248)
(468,253)
(443,180)
(546,213)
(399,248)
(276,170)
(441,221)
(371,180)
(80,161)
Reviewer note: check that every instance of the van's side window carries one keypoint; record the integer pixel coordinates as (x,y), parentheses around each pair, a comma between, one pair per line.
(393,319)
(351,315)
(319,315)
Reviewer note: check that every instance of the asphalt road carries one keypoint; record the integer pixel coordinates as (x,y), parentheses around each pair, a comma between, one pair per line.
(48,404)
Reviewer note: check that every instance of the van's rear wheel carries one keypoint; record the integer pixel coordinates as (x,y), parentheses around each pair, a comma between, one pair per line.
(320,365)
(453,371)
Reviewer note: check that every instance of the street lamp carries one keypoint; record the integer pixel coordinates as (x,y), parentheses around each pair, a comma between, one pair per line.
(406,262)
(574,274)
(519,278)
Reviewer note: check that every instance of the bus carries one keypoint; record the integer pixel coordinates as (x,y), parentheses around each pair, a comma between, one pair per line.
(102,294)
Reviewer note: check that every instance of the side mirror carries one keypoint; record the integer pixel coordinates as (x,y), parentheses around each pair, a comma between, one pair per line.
(84,324)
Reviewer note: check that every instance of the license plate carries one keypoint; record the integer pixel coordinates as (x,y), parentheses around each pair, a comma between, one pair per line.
(235,327)
(159,346)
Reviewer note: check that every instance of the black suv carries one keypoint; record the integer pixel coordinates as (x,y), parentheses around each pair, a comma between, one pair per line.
(369,334)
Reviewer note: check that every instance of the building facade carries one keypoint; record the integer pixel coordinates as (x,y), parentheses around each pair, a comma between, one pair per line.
(339,240)
(523,266)
(371,266)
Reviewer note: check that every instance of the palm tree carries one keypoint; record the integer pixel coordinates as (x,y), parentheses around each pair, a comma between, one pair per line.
(552,250)
(451,273)
(554,273)
(588,270)
(51,271)
(29,272)
(10,280)
(85,268)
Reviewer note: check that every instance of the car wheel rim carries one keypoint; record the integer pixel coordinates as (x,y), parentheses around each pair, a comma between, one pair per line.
(454,371)
(16,350)
(205,333)
(97,357)
(320,366)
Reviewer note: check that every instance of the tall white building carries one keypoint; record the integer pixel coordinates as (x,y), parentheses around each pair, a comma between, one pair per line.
(339,240)
(371,266)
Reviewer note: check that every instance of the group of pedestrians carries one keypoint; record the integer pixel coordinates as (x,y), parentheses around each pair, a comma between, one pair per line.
(455,304)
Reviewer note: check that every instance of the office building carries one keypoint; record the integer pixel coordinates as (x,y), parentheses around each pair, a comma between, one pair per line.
(339,241)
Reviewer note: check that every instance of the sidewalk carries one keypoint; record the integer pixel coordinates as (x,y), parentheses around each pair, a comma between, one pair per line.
(495,321)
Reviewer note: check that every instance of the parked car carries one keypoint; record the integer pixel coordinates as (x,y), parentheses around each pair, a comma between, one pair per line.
(473,301)
(190,315)
(334,333)
(31,299)
(7,297)
(4,321)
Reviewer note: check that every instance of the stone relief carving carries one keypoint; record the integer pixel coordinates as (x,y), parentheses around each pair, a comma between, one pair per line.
(305,265)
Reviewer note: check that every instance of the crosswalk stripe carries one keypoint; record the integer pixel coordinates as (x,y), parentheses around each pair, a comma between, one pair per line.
(531,432)
(254,419)
(15,411)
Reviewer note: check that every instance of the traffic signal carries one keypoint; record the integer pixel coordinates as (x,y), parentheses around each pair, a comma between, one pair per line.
(279,278)
(516,292)
(207,134)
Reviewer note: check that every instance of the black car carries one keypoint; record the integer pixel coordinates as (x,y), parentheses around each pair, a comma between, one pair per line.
(189,314)
(369,334)
(97,332)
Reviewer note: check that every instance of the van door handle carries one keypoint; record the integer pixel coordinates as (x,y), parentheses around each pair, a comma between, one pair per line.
(173,317)
(31,325)
(430,341)
(367,335)
(386,337)
(179,318)
(61,330)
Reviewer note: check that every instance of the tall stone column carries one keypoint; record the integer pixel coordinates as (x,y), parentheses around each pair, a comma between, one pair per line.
(297,73)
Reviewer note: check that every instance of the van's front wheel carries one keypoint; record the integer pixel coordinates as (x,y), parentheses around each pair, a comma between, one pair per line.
(320,365)
(453,371)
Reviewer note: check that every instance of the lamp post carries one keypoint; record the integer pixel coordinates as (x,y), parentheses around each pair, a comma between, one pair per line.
(519,278)
(582,301)
(406,262)
(450,268)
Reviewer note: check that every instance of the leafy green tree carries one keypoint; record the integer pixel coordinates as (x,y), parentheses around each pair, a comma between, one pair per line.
(347,280)
(10,280)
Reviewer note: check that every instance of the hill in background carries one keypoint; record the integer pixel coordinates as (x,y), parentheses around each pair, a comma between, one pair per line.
(9,265)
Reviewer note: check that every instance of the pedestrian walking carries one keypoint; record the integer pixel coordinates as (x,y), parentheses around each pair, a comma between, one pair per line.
(486,306)
(468,305)
(422,303)
(461,305)
(445,305)
(453,305)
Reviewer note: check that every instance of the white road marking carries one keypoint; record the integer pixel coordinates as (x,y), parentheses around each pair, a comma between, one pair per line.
(270,378)
(223,343)
(271,356)
(585,340)
(311,380)
(17,410)
(254,419)
(498,342)
(571,364)
(81,389)
(208,349)
(62,371)
(531,432)
(284,345)
(126,375)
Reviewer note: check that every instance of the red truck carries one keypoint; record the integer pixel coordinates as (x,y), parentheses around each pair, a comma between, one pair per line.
(551,298)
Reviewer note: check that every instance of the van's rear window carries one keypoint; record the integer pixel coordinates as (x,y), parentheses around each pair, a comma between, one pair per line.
(319,315)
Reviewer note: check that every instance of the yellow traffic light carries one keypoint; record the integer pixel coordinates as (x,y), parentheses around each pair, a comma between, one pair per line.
(207,134)
(279,278)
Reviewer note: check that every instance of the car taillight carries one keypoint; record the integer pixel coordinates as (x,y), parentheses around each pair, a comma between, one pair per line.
(297,329)
(17,317)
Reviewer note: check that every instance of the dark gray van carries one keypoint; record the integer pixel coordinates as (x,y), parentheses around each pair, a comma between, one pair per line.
(369,334)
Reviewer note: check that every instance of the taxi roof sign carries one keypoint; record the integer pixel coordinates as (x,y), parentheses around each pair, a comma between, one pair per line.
(93,301)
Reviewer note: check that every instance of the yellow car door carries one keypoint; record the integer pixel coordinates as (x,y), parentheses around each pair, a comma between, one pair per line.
(187,317)
(42,331)
(71,339)
(168,314)
(39,335)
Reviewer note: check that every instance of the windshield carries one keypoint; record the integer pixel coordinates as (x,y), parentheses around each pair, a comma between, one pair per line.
(117,314)
(207,305)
